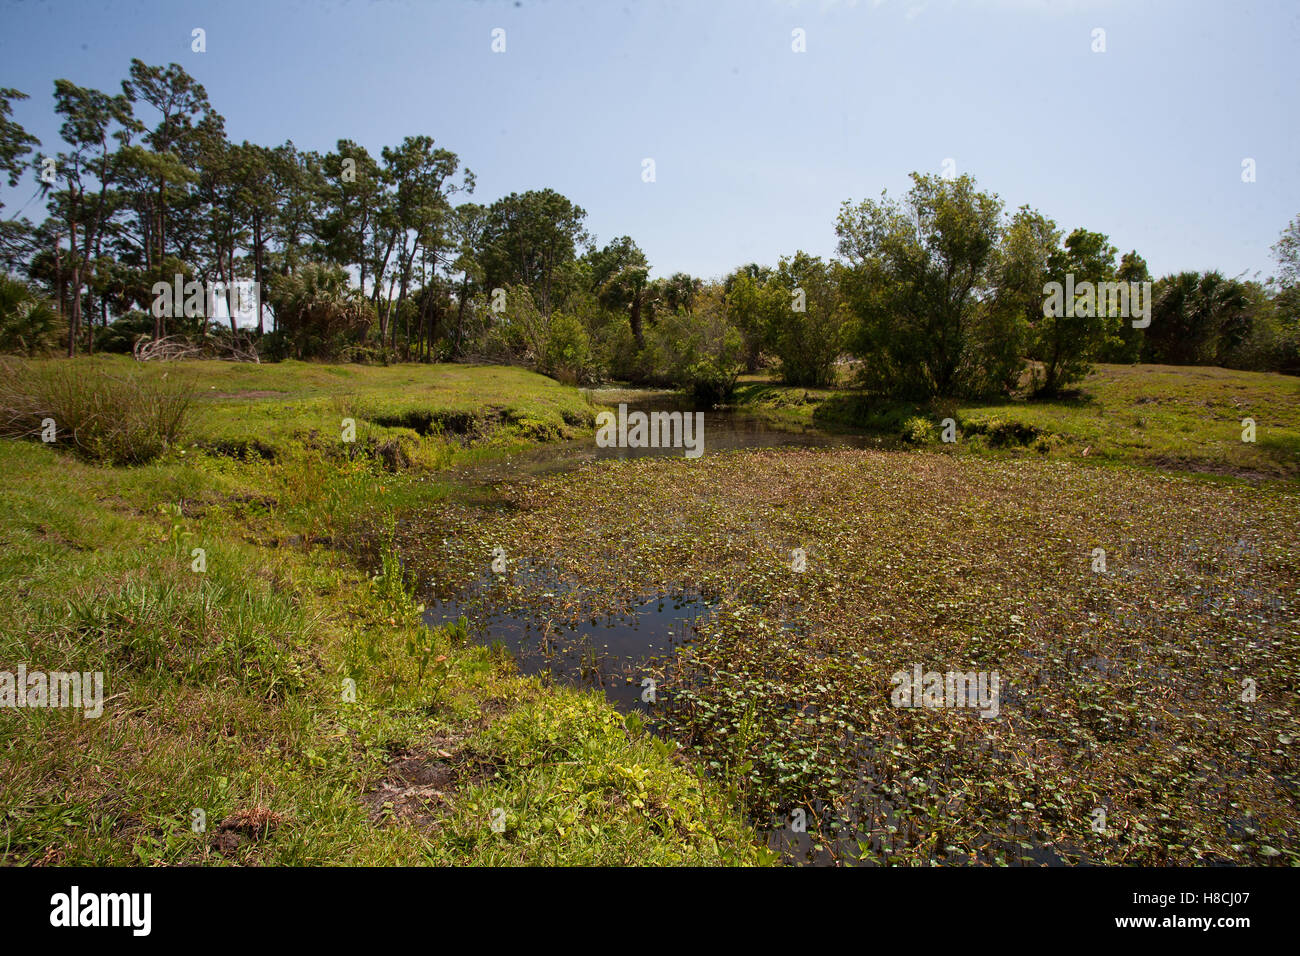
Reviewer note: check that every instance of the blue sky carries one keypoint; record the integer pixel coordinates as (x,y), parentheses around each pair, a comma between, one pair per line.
(755,145)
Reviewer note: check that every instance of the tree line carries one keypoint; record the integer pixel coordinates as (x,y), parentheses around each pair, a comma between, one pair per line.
(939,292)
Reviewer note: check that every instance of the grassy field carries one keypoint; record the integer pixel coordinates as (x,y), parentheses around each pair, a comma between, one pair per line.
(226,688)
(1156,416)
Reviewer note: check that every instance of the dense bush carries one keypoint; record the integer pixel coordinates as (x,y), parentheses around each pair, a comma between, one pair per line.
(120,336)
(567,353)
(119,419)
(318,313)
(697,351)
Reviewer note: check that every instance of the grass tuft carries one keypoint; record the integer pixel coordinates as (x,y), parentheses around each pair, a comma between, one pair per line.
(121,418)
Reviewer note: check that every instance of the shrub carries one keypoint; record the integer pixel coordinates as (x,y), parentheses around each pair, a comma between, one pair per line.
(120,419)
(918,431)
(318,312)
(699,352)
(567,353)
(1003,434)
(120,337)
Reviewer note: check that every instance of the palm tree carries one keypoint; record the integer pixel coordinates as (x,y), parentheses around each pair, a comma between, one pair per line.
(29,323)
(1190,313)
(318,310)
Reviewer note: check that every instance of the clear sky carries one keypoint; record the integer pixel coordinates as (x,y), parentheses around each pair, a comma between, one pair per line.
(754,145)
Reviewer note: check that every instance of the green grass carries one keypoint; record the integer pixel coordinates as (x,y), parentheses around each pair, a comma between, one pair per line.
(226,688)
(1152,416)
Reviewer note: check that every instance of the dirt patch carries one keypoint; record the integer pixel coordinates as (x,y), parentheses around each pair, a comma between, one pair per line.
(243,449)
(47,533)
(237,503)
(415,789)
(464,425)
(1208,468)
(242,827)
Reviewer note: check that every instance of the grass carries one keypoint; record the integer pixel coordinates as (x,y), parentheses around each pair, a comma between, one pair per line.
(1155,416)
(287,695)
(110,412)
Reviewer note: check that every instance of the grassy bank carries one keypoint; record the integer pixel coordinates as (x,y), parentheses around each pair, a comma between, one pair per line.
(287,690)
(1154,416)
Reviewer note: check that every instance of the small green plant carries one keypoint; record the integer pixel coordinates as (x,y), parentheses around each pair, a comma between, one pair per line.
(176,532)
(918,431)
(391,587)
(424,641)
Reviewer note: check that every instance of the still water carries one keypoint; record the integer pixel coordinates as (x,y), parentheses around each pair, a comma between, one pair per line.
(607,652)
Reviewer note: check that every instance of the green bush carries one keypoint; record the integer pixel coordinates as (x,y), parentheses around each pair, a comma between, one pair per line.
(918,431)
(1003,434)
(120,336)
(567,353)
(120,419)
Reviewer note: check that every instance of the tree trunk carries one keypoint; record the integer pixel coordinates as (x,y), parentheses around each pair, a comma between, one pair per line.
(257,267)
(636,322)
(58,273)
(74,320)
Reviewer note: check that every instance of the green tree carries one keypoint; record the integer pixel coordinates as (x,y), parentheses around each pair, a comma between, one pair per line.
(15,144)
(528,239)
(754,302)
(679,291)
(1286,298)
(29,323)
(809,330)
(420,211)
(1192,312)
(1123,341)
(468,225)
(698,351)
(919,270)
(1069,335)
(620,277)
(172,149)
(94,126)
(317,310)
(1022,266)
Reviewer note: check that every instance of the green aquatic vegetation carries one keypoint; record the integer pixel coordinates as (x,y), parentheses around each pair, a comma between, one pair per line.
(1121,692)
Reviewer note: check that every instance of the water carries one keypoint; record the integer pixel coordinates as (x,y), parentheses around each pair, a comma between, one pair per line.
(725,429)
(606,652)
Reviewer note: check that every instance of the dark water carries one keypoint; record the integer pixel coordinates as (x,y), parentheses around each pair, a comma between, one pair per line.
(605,652)
(724,430)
